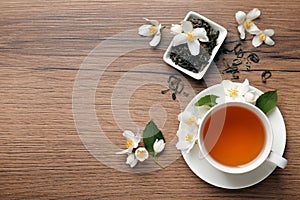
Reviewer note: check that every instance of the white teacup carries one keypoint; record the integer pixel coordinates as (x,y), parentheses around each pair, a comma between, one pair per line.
(237,137)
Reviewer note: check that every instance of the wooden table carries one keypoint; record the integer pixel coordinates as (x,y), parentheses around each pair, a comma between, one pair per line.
(43,46)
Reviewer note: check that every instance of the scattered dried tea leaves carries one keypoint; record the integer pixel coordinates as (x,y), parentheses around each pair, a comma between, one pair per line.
(233,69)
(176,85)
(253,57)
(266,75)
(248,65)
(238,60)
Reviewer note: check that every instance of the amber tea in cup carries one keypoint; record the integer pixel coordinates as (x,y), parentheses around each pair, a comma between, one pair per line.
(237,137)
(241,139)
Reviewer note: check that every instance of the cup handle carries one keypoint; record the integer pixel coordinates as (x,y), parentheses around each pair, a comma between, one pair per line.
(277,159)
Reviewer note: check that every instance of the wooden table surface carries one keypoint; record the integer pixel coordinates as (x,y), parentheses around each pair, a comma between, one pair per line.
(43,48)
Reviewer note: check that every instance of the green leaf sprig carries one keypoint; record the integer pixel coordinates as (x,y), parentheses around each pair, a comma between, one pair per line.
(208,100)
(267,101)
(150,135)
(154,144)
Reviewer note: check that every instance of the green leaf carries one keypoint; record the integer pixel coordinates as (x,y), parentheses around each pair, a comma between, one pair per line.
(150,134)
(267,101)
(209,100)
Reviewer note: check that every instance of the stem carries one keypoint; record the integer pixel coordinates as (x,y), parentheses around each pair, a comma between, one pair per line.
(155,159)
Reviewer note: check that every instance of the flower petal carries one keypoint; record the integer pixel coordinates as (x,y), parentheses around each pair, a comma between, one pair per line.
(220,100)
(131,160)
(153,22)
(253,14)
(156,39)
(123,152)
(241,30)
(179,39)
(244,88)
(239,98)
(176,28)
(131,148)
(187,26)
(183,145)
(228,99)
(144,30)
(251,97)
(227,84)
(194,47)
(240,17)
(256,41)
(190,147)
(128,134)
(269,32)
(269,41)
(133,163)
(187,117)
(253,29)
(200,112)
(201,34)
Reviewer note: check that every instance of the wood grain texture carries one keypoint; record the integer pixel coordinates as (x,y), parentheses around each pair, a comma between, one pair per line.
(43,44)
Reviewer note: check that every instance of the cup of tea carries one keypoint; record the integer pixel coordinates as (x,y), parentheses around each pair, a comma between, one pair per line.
(237,137)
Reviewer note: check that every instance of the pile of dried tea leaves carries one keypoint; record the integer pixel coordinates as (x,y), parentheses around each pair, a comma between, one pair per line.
(181,55)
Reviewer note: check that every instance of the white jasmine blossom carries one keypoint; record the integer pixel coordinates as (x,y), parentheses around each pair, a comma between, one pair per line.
(235,92)
(245,22)
(238,92)
(187,133)
(263,37)
(152,29)
(158,146)
(131,142)
(141,154)
(187,136)
(188,118)
(190,36)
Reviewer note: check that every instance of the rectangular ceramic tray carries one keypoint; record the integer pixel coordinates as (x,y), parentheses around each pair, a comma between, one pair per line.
(220,40)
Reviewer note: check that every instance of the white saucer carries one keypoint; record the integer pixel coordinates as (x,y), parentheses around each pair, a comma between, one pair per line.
(213,176)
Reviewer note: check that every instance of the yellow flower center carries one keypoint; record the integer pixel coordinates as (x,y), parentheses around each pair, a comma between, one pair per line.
(189,137)
(190,121)
(190,37)
(153,30)
(141,153)
(233,92)
(129,143)
(248,24)
(262,37)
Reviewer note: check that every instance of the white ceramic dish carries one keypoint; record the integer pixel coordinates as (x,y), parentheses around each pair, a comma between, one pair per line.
(213,176)
(220,40)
